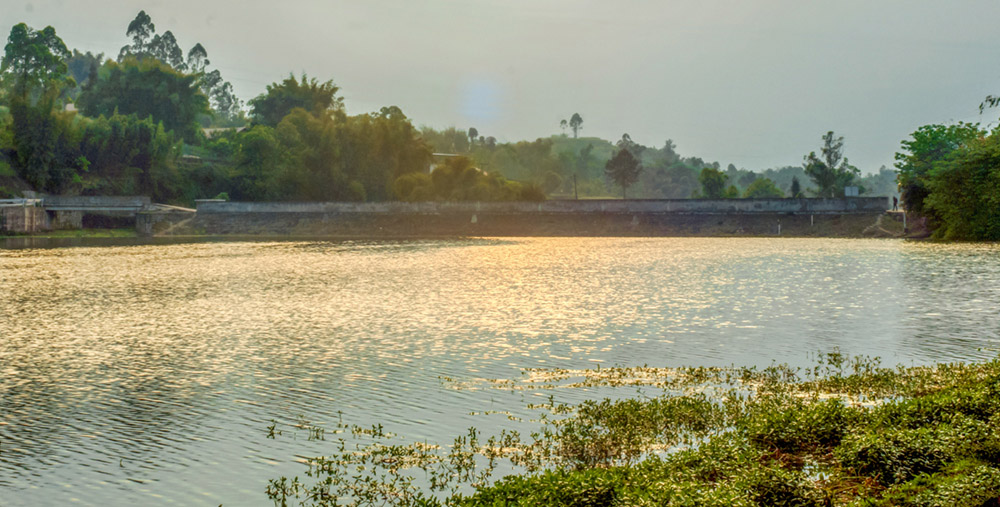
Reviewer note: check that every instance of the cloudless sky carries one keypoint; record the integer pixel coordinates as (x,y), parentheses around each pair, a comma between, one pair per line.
(755,83)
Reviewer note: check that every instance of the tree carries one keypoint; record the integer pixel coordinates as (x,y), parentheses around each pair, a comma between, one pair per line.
(456,179)
(83,66)
(141,30)
(928,146)
(563,124)
(165,49)
(763,188)
(147,88)
(473,134)
(576,123)
(34,63)
(713,183)
(197,58)
(623,169)
(626,143)
(34,72)
(317,98)
(796,188)
(222,98)
(832,172)
(964,192)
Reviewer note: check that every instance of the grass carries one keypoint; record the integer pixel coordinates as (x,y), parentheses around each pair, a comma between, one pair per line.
(847,432)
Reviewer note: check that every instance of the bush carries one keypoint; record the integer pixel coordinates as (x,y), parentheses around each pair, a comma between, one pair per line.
(799,425)
(896,456)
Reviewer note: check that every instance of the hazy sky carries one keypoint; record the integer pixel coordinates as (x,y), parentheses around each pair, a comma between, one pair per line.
(751,82)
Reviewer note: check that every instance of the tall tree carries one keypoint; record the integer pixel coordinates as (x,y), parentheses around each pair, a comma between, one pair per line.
(830,172)
(964,192)
(34,63)
(141,30)
(147,88)
(929,146)
(317,98)
(473,134)
(713,183)
(197,58)
(763,188)
(796,189)
(164,48)
(34,72)
(623,169)
(576,123)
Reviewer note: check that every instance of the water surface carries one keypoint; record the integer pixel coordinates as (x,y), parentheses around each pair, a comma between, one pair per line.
(138,373)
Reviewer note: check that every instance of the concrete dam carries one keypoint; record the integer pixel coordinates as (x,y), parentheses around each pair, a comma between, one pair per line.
(839,217)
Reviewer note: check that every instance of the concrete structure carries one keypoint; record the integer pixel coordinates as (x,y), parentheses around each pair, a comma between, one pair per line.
(23,216)
(701,217)
(68,212)
(96,203)
(587,206)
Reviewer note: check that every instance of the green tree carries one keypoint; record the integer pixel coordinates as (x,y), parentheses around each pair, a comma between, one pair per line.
(831,172)
(129,155)
(83,66)
(796,188)
(623,169)
(259,165)
(763,188)
(964,192)
(165,49)
(929,145)
(34,72)
(473,134)
(576,123)
(456,179)
(278,101)
(34,64)
(141,30)
(147,88)
(197,58)
(713,183)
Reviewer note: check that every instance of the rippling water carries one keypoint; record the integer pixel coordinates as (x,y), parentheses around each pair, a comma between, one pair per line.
(149,373)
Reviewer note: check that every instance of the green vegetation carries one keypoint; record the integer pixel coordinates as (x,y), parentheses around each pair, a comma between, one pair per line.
(845,432)
(136,126)
(948,174)
(146,88)
(830,171)
(457,180)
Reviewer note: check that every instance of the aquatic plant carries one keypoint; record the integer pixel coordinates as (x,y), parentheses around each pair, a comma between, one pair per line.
(846,431)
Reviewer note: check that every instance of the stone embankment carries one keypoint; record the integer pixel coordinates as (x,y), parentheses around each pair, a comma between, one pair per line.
(848,217)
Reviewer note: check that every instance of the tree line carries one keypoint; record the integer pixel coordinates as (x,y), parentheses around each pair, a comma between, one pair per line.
(137,123)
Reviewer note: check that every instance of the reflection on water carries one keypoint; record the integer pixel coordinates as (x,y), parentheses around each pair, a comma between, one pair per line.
(141,373)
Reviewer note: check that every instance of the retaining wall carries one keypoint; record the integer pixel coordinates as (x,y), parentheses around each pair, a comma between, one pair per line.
(95,202)
(587,206)
(700,217)
(24,219)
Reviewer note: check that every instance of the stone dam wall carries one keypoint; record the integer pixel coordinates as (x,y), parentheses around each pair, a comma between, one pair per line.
(848,217)
(710,206)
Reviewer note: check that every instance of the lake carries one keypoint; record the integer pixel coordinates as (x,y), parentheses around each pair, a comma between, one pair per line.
(148,373)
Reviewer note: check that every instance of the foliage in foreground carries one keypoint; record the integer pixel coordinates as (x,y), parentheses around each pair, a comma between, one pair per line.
(847,432)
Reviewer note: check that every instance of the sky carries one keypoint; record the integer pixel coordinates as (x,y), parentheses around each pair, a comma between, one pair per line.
(755,83)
